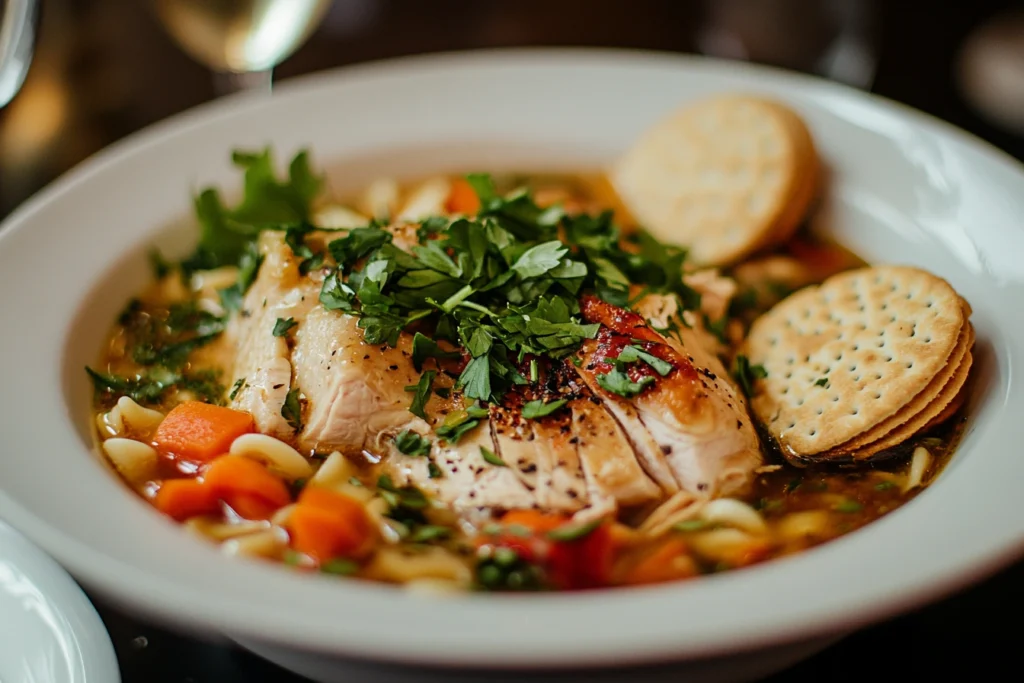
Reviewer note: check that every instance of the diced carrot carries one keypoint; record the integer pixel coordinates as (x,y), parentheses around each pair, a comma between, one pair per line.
(199,431)
(246,486)
(462,199)
(184,498)
(667,562)
(536,521)
(326,524)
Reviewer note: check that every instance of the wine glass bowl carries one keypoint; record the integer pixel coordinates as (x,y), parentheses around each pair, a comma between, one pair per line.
(240,40)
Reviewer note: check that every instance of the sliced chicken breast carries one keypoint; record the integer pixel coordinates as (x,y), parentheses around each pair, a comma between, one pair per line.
(263,361)
(697,419)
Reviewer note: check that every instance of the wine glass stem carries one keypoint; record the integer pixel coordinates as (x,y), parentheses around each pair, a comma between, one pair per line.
(227,82)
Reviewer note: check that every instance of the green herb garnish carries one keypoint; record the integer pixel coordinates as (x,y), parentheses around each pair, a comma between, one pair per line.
(746,374)
(632,354)
(574,532)
(411,443)
(535,409)
(422,389)
(282,325)
(237,387)
(884,486)
(340,567)
(491,457)
(291,411)
(618,382)
(849,506)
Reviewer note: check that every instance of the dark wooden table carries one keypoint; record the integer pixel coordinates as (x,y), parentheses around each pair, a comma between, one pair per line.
(105,69)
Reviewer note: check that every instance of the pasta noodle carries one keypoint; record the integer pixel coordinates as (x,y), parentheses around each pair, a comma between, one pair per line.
(381,198)
(733,513)
(401,565)
(269,543)
(141,421)
(918,466)
(335,470)
(134,460)
(273,452)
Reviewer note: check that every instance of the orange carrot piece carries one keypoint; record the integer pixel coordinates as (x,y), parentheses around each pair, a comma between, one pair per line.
(462,198)
(184,498)
(246,486)
(326,524)
(534,520)
(199,431)
(667,562)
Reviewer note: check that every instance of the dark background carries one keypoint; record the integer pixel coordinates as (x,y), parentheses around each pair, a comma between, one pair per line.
(104,68)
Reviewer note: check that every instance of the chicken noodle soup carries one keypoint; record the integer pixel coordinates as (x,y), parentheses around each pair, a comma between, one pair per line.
(492,383)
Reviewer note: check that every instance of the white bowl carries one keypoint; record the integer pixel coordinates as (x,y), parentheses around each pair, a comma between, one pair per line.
(49,631)
(903,188)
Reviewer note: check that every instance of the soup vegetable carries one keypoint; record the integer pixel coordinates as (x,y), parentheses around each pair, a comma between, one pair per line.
(498,383)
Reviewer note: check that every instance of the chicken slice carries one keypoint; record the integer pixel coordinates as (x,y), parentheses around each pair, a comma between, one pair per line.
(262,360)
(694,415)
(355,391)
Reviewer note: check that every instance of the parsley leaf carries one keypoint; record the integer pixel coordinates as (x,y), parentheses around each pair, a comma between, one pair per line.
(618,382)
(540,259)
(238,386)
(534,409)
(424,347)
(746,374)
(489,456)
(292,410)
(411,443)
(423,390)
(282,325)
(632,354)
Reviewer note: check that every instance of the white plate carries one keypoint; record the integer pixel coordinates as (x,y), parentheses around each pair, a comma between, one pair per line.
(903,188)
(49,631)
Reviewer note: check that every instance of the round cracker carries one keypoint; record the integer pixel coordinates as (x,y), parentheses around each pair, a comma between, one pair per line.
(724,177)
(919,421)
(938,390)
(843,356)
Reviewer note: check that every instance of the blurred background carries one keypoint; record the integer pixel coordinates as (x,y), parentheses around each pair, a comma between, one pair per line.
(106,68)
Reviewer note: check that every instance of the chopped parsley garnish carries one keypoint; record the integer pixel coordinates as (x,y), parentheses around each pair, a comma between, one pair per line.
(422,395)
(424,347)
(237,387)
(718,327)
(884,486)
(282,325)
(574,532)
(689,525)
(292,409)
(405,504)
(849,506)
(225,233)
(534,409)
(411,443)
(433,471)
(618,382)
(746,374)
(430,532)
(491,457)
(501,287)
(161,266)
(458,423)
(632,354)
(340,567)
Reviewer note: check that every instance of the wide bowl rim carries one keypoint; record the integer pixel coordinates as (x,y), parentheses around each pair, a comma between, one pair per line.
(646,642)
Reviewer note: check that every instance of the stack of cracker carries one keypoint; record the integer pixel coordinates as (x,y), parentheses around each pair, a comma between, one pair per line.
(724,177)
(861,363)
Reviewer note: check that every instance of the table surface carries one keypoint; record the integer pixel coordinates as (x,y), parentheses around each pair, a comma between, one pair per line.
(112,71)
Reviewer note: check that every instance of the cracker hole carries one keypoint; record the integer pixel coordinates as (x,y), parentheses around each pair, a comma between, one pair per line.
(791,425)
(812,432)
(892,319)
(910,364)
(835,399)
(839,356)
(857,378)
(790,360)
(774,341)
(888,359)
(909,296)
(930,304)
(820,411)
(885,307)
(856,347)
(785,390)
(855,411)
(789,375)
(927,340)
(878,375)
(877,395)
(800,402)
(853,368)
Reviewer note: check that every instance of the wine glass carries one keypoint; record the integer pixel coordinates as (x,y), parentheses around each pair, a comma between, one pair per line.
(241,40)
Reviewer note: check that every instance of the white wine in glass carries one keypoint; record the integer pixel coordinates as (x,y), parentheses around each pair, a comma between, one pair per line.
(241,40)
